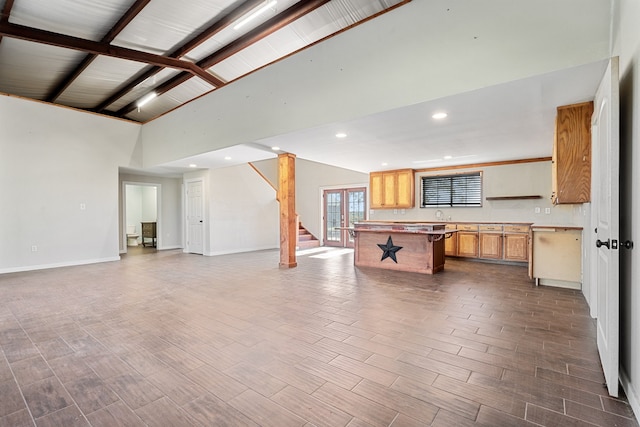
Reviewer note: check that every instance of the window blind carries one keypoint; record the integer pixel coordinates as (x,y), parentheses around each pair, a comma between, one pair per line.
(452,190)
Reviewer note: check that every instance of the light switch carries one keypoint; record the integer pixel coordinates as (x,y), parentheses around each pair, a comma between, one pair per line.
(83,206)
(547,211)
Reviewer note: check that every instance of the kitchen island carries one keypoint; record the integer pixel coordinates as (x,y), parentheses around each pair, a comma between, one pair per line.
(414,247)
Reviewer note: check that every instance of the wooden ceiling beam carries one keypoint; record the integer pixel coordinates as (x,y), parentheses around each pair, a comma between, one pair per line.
(133,11)
(205,35)
(283,19)
(6,12)
(99,48)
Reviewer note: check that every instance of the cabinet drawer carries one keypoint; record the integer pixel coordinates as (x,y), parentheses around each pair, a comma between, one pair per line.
(450,226)
(493,228)
(468,227)
(516,228)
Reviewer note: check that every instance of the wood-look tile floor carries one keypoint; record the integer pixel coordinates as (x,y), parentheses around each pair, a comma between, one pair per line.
(171,339)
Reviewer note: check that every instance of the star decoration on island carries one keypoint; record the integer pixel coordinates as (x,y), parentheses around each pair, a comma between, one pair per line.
(389,250)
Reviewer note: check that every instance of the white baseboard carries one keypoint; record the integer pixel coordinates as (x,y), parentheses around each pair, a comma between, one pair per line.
(57,265)
(168,248)
(632,394)
(238,251)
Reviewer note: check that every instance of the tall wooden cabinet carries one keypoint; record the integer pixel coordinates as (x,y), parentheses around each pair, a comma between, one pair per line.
(392,189)
(571,168)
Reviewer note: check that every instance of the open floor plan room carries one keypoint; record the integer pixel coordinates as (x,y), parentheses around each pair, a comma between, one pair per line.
(166,338)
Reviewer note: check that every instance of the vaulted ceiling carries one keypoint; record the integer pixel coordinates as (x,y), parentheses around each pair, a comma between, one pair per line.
(499,68)
(106,56)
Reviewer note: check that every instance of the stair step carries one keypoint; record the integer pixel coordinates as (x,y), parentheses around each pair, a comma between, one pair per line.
(306,244)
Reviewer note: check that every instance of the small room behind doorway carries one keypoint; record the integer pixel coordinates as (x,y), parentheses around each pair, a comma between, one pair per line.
(141,210)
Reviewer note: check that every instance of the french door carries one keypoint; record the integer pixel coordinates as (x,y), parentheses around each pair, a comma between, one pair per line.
(342,208)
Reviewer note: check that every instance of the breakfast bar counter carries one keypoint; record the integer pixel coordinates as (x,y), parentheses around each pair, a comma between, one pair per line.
(414,247)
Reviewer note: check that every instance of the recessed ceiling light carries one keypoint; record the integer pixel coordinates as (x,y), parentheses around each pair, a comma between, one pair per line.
(227,157)
(275,148)
(439,116)
(193,165)
(448,157)
(341,135)
(385,164)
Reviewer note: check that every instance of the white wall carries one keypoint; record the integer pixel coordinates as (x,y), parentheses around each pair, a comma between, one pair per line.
(149,204)
(53,161)
(311,178)
(241,211)
(522,179)
(378,66)
(627,45)
(133,214)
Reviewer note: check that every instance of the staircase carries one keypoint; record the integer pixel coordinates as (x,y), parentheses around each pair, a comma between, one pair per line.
(306,240)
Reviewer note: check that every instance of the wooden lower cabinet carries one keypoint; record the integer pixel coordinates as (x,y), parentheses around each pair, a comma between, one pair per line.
(491,245)
(451,243)
(516,247)
(468,244)
(506,242)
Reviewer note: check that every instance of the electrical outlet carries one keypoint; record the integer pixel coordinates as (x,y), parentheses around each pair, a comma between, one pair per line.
(547,211)
(537,209)
(34,248)
(401,211)
(395,211)
(83,206)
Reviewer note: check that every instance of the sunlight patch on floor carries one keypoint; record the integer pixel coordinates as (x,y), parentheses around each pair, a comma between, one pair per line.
(333,253)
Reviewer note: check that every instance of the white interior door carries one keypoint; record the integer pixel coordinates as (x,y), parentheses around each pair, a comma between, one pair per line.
(195,217)
(606,150)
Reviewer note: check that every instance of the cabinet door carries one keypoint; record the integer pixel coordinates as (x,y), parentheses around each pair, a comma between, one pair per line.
(389,184)
(376,190)
(491,245)
(516,247)
(451,245)
(405,194)
(468,244)
(572,154)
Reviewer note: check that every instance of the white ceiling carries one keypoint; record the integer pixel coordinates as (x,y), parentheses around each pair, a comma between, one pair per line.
(510,121)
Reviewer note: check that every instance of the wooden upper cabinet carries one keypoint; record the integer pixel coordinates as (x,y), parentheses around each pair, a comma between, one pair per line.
(571,168)
(392,189)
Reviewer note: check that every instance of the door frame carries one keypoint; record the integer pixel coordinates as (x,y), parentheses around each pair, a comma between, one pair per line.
(123,217)
(186,214)
(339,187)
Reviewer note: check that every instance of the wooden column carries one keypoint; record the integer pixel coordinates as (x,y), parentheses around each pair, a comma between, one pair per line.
(288,218)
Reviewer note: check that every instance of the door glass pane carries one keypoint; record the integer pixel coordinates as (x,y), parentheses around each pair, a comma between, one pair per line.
(356,207)
(333,215)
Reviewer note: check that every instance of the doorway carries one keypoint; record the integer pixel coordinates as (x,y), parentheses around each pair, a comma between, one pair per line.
(342,208)
(141,204)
